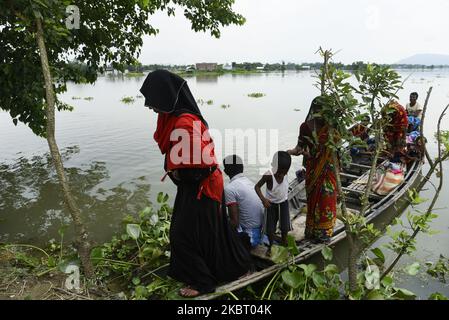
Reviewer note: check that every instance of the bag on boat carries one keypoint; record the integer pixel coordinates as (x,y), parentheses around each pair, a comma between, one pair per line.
(388,178)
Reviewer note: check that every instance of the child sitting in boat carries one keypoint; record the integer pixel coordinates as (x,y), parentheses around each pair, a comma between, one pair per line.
(275,199)
(362,131)
(244,206)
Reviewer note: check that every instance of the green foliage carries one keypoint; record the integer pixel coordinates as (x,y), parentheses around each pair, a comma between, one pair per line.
(137,253)
(37,261)
(377,82)
(437,296)
(444,140)
(134,74)
(403,241)
(326,253)
(439,269)
(303,281)
(380,257)
(103,39)
(356,224)
(413,269)
(372,287)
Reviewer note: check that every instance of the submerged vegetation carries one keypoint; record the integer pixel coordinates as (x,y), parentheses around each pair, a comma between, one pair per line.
(128,100)
(85,98)
(256,95)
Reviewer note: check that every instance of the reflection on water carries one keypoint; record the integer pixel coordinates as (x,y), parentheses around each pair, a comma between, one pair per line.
(32,205)
(207,78)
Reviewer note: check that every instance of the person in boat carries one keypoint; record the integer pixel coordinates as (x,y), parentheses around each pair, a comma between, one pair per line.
(362,131)
(244,206)
(275,199)
(321,188)
(415,145)
(414,108)
(204,249)
(395,130)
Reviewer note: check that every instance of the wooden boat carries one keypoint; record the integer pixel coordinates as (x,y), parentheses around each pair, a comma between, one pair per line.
(354,179)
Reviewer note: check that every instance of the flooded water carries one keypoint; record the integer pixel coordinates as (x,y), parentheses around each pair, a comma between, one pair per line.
(115,166)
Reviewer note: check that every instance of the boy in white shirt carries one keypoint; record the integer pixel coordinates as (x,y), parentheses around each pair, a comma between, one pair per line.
(276,196)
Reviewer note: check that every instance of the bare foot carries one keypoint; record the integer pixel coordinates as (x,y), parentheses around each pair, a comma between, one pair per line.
(188,292)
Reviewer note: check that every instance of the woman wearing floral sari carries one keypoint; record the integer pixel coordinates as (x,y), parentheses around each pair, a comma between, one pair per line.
(395,129)
(320,175)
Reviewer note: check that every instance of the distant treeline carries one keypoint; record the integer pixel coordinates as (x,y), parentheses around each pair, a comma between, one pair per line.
(252,66)
(257,66)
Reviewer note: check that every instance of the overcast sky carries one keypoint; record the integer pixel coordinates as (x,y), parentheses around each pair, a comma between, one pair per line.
(383,31)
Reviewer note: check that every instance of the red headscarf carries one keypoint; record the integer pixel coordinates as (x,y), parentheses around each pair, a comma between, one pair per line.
(201,153)
(170,95)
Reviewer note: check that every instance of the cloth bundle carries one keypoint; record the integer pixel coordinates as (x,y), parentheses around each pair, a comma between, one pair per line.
(388,178)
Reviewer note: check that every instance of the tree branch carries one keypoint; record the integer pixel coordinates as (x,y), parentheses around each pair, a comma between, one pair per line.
(421,136)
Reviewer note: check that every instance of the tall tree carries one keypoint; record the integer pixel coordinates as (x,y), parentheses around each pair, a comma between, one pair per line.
(40,39)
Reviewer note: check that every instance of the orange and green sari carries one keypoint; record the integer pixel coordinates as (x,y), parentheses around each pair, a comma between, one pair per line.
(321,189)
(396,127)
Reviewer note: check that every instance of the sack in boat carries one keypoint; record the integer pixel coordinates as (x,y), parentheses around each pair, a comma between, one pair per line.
(387,180)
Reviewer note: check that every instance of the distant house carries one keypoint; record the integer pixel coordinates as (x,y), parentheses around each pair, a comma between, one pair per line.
(227,67)
(206,66)
(260,68)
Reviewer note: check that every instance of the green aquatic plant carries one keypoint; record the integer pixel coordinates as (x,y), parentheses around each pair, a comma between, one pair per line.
(439,269)
(139,252)
(89,98)
(225,106)
(256,95)
(127,100)
(210,102)
(76,98)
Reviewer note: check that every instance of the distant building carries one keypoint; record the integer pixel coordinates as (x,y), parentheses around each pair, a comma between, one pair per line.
(227,67)
(206,66)
(260,68)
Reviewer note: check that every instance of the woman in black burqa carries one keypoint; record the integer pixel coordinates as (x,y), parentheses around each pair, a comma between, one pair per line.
(204,249)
